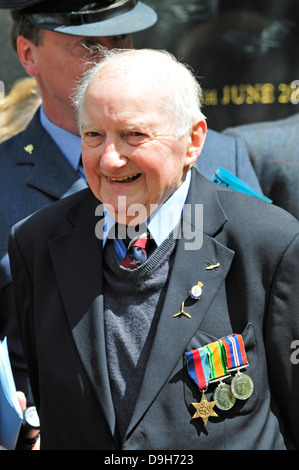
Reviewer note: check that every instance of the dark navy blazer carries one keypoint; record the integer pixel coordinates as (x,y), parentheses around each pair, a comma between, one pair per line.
(57,268)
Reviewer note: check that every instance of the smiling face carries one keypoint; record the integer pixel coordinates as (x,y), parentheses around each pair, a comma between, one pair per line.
(129,146)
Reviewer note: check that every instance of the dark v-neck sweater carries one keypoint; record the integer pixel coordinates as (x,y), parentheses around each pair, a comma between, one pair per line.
(133,303)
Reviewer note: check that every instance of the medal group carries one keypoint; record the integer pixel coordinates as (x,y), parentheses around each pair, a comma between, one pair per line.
(215,362)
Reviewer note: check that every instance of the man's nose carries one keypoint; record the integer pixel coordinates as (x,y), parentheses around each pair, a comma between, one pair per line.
(112,158)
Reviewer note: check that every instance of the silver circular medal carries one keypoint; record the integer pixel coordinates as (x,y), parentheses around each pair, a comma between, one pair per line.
(242,386)
(225,400)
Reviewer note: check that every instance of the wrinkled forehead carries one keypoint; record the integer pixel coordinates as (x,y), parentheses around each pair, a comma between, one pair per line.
(129,97)
(128,93)
(136,75)
(138,66)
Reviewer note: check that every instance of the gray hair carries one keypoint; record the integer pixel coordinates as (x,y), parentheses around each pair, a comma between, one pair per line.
(183,103)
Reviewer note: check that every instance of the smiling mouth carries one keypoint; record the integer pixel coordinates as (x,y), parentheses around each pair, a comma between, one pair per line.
(126,179)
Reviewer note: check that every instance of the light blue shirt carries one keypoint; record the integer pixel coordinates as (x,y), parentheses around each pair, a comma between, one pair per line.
(161,223)
(68,143)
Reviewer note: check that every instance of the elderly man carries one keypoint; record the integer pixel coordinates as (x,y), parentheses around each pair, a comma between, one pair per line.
(121,344)
(43,164)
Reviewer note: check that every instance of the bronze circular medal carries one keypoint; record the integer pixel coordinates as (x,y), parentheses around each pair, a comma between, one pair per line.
(225,400)
(242,386)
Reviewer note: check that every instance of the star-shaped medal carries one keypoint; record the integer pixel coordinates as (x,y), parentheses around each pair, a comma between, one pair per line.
(204,409)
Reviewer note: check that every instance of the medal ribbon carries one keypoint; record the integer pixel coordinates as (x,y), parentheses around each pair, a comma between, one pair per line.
(217,359)
(235,351)
(199,367)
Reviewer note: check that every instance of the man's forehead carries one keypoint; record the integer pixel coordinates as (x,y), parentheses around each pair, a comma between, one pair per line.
(133,89)
(132,122)
(142,71)
(151,121)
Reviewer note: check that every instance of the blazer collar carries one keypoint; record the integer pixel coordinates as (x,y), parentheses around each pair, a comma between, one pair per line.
(51,172)
(203,194)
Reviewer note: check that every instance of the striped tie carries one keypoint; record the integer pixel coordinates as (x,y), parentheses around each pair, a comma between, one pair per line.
(136,252)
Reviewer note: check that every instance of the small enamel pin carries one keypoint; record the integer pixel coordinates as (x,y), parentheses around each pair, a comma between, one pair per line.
(182,312)
(196,291)
(29,148)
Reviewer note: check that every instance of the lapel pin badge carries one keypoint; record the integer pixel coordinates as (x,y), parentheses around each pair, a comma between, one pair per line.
(29,148)
(196,291)
(212,266)
(182,312)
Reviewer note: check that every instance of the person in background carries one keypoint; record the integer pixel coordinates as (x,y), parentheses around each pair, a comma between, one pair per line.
(273,150)
(18,107)
(118,285)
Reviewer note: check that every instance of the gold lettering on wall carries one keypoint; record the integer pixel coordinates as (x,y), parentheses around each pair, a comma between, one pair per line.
(246,93)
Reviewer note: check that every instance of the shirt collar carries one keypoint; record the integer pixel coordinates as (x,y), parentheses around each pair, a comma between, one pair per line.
(68,143)
(164,220)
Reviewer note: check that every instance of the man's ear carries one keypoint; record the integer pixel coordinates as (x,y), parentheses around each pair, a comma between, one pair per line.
(197,140)
(26,52)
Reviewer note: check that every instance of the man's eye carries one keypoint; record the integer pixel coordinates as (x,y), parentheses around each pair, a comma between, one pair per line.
(134,138)
(92,138)
(92,134)
(89,43)
(120,37)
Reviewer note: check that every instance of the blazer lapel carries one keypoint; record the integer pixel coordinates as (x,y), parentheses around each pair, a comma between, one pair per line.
(85,313)
(51,173)
(174,333)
